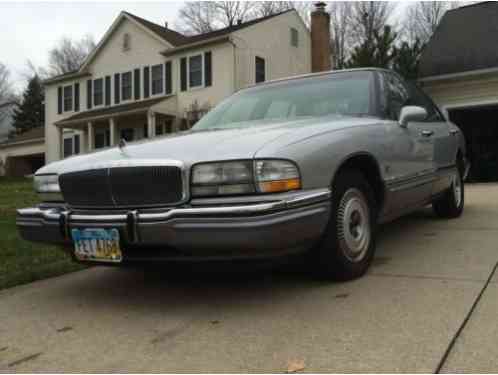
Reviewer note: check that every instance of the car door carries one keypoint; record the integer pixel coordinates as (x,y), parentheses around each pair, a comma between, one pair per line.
(438,131)
(411,150)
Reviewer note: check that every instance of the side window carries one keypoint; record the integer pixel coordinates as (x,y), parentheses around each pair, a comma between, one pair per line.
(419,98)
(397,95)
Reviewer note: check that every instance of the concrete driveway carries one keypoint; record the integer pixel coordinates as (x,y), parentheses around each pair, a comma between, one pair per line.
(401,317)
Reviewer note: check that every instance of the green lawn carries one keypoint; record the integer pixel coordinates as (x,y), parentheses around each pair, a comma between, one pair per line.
(21,261)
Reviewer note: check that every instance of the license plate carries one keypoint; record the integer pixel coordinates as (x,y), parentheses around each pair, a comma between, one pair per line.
(100,245)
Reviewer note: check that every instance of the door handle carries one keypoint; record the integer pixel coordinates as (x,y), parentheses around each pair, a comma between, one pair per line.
(426,133)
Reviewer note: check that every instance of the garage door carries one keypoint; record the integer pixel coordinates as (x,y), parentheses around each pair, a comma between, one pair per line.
(480,127)
(18,166)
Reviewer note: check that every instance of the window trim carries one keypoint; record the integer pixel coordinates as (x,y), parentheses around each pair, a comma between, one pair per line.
(202,85)
(292,30)
(72,137)
(71,86)
(93,92)
(121,75)
(255,69)
(163,80)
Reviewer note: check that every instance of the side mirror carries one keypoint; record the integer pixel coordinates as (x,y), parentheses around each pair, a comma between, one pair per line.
(411,113)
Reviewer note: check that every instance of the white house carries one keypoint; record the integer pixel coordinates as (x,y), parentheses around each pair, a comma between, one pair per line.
(145,79)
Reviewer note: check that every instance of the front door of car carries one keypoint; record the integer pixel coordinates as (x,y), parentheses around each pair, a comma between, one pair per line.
(411,166)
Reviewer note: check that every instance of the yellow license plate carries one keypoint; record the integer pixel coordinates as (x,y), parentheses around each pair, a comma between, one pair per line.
(100,245)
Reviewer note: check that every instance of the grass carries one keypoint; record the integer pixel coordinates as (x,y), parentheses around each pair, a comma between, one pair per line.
(22,261)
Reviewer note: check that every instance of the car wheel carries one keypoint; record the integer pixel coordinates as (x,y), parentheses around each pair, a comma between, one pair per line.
(347,248)
(451,204)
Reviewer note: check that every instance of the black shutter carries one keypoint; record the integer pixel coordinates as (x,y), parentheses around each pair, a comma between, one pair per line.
(183,74)
(89,94)
(108,90)
(117,88)
(76,97)
(59,100)
(167,75)
(146,82)
(136,83)
(208,75)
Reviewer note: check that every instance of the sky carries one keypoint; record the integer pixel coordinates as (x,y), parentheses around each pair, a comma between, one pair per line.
(28,30)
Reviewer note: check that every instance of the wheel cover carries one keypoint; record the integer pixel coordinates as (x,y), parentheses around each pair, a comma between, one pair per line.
(457,189)
(354,229)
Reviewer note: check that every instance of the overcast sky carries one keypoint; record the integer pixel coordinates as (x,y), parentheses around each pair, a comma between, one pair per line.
(29,29)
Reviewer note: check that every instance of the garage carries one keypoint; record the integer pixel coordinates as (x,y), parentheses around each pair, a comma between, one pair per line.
(18,166)
(23,154)
(479,124)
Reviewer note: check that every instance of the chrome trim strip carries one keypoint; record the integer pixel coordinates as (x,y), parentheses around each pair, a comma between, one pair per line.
(306,198)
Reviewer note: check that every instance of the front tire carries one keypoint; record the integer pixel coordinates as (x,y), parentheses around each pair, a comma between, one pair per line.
(348,246)
(451,204)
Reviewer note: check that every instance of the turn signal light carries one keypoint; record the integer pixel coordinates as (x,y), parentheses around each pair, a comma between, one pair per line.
(280,186)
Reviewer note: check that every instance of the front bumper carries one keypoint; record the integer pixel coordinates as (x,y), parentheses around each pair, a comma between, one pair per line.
(285,223)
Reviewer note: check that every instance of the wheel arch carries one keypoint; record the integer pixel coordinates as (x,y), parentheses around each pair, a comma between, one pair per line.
(368,165)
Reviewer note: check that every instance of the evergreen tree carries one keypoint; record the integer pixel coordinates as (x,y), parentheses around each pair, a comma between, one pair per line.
(377,51)
(31,112)
(407,57)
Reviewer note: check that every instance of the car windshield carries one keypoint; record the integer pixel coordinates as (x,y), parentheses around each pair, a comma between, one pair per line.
(346,94)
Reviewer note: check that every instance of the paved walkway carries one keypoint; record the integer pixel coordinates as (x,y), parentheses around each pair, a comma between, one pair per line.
(401,317)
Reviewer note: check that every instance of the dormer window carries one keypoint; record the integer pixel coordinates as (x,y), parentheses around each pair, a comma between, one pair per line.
(126,42)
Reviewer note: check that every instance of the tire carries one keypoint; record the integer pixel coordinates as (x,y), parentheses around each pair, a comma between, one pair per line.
(451,204)
(347,248)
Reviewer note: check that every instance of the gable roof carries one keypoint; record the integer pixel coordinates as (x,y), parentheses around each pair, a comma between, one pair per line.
(171,37)
(35,134)
(463,41)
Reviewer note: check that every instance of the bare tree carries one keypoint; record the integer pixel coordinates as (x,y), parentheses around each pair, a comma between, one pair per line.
(268,8)
(368,18)
(196,17)
(340,31)
(228,13)
(5,84)
(423,17)
(68,55)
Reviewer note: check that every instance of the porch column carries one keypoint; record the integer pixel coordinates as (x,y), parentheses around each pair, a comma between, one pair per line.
(151,124)
(91,137)
(113,131)
(84,141)
(60,142)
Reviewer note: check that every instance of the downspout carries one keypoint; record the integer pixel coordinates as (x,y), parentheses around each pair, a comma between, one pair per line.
(232,42)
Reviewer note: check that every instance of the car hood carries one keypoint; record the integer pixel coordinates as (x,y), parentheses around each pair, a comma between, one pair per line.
(193,146)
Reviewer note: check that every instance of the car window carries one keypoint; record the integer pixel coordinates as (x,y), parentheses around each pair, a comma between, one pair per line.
(419,98)
(346,94)
(397,95)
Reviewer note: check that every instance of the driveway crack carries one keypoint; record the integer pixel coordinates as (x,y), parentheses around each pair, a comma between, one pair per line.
(465,321)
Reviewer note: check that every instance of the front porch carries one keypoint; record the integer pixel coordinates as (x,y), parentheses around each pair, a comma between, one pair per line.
(102,128)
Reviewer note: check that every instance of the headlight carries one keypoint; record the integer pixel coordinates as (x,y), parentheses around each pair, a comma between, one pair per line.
(277,175)
(47,186)
(244,177)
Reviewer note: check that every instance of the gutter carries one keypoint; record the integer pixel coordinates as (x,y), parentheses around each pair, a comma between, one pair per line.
(65,77)
(28,141)
(459,75)
(186,47)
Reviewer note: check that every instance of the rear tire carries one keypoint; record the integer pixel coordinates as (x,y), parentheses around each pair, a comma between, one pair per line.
(348,245)
(451,204)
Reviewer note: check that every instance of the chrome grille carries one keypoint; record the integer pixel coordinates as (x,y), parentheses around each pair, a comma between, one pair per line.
(124,186)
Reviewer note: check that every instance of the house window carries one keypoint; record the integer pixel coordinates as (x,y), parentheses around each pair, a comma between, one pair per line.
(68,147)
(102,139)
(294,37)
(260,69)
(98,92)
(157,79)
(195,71)
(76,144)
(126,86)
(68,98)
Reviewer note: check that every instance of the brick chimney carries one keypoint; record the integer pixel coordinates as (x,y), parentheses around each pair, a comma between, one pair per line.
(320,39)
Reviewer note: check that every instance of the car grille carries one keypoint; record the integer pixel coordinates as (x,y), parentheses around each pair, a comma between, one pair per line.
(140,186)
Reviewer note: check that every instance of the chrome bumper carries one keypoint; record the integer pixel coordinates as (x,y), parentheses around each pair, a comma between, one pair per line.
(289,220)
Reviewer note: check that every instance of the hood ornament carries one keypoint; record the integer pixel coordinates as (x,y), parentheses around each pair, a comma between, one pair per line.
(122,144)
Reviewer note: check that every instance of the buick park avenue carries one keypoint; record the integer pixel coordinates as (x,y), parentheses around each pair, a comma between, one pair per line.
(306,164)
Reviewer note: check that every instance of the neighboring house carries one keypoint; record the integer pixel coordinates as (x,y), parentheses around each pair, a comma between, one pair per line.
(6,112)
(23,154)
(144,80)
(459,70)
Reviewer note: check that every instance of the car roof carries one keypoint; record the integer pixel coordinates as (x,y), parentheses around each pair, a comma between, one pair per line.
(317,74)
